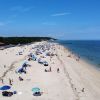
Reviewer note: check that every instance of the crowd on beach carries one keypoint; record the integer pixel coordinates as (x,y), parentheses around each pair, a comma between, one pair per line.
(37,53)
(47,70)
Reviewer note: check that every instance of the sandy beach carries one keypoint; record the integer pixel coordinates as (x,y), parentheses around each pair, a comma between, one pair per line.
(66,77)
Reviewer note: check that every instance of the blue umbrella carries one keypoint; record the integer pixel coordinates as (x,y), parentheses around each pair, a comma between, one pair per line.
(36,89)
(5,87)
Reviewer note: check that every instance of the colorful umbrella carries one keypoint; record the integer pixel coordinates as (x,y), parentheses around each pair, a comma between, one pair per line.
(36,89)
(5,87)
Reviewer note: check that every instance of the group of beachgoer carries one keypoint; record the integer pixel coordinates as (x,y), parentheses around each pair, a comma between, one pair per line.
(41,51)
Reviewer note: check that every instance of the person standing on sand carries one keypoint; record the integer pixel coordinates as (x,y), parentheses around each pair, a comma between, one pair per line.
(83,90)
(4,66)
(10,81)
(2,81)
(57,70)
(50,69)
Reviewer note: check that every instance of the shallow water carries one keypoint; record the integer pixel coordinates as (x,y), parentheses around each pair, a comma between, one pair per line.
(88,50)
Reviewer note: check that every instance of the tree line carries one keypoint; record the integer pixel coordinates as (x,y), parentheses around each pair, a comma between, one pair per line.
(22,40)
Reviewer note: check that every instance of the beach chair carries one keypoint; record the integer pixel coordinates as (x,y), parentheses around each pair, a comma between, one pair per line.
(40,61)
(45,63)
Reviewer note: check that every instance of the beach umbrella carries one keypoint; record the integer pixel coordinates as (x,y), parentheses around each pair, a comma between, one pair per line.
(36,89)
(5,87)
(24,62)
(33,58)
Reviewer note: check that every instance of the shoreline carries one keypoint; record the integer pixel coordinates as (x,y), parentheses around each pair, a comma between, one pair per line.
(75,80)
(82,59)
(87,58)
(88,68)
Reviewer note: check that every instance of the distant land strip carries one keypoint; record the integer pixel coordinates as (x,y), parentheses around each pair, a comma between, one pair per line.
(22,40)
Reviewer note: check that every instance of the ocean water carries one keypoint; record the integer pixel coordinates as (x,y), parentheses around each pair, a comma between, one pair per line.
(87,49)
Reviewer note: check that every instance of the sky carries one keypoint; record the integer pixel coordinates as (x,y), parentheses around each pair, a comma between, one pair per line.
(61,19)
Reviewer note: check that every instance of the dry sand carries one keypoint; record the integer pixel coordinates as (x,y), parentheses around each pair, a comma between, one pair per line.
(76,80)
